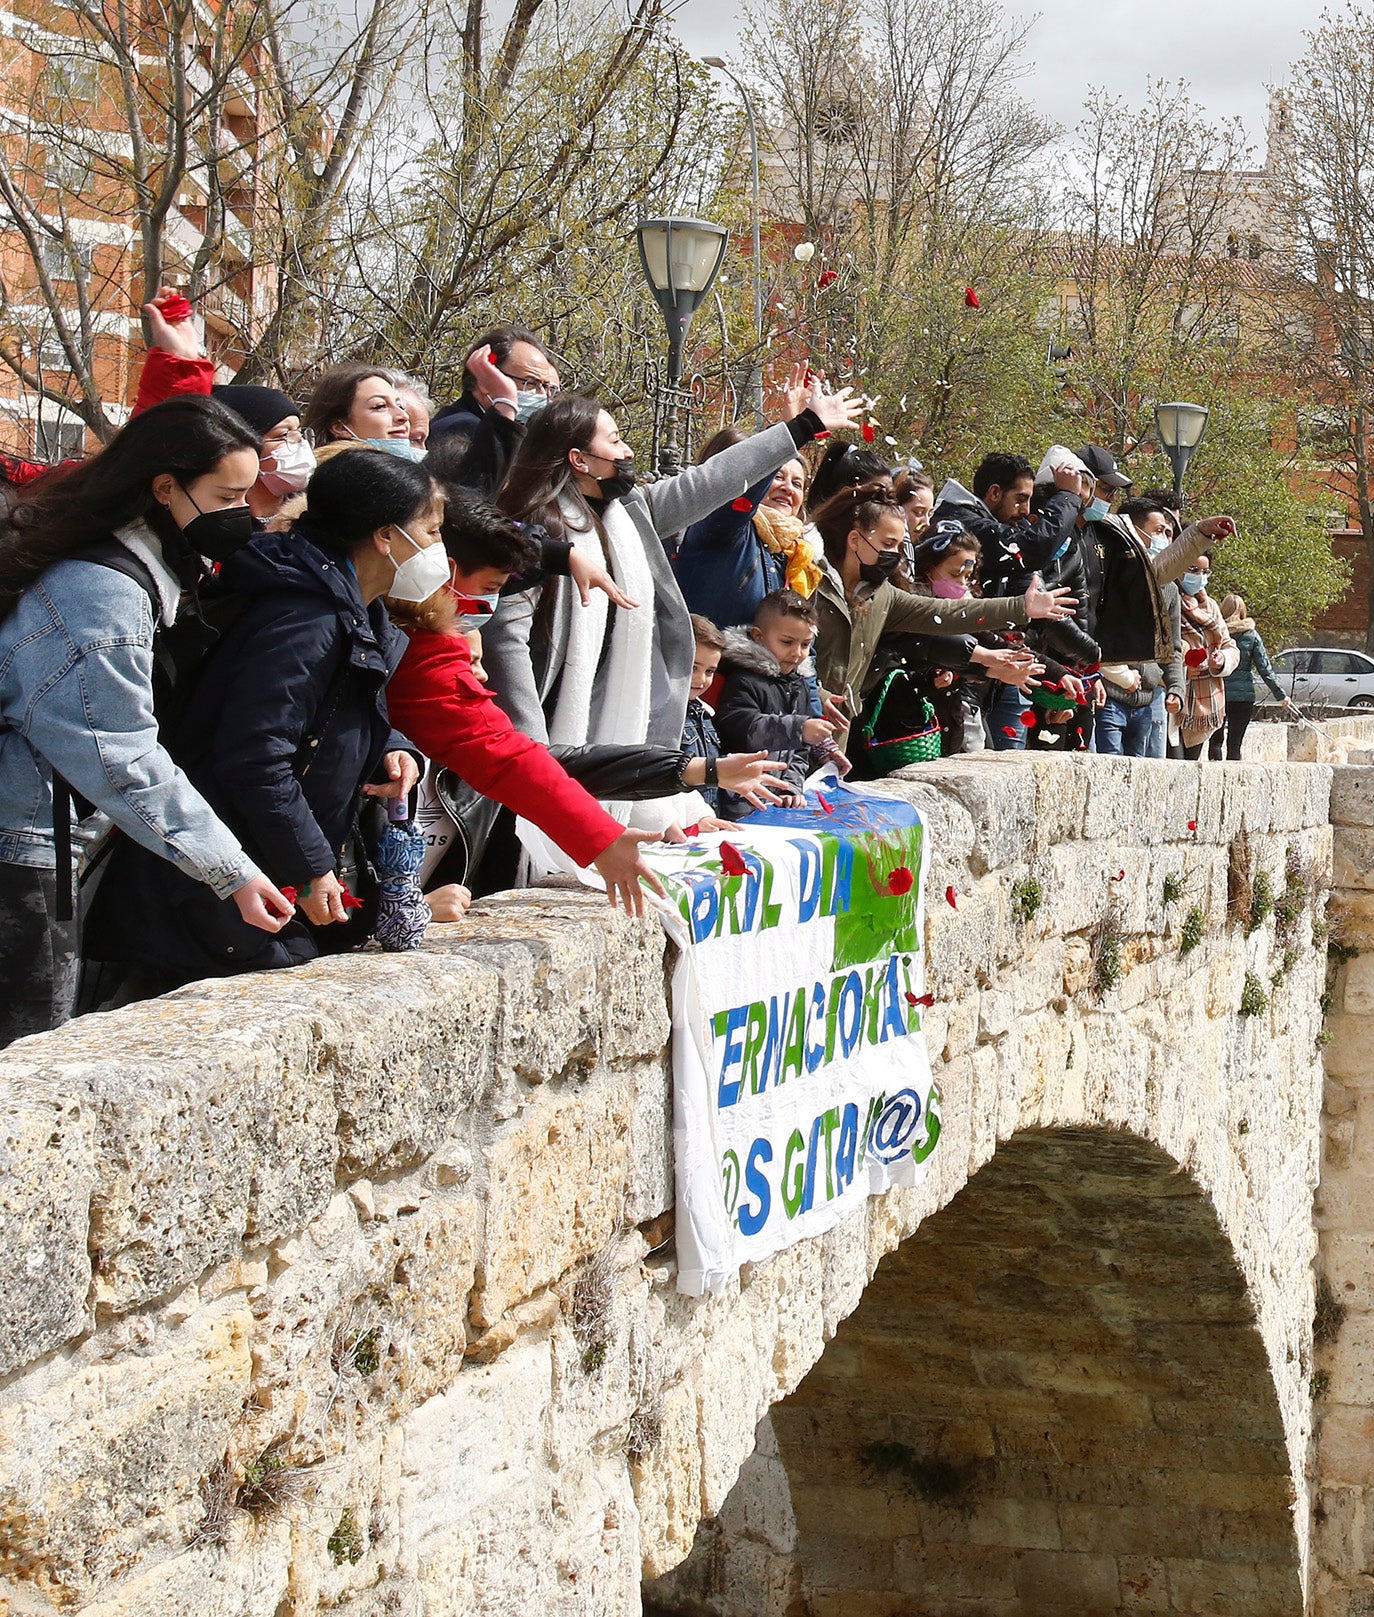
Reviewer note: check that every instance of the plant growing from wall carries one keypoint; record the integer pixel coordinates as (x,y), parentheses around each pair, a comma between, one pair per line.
(1173,888)
(1027,896)
(1106,952)
(593,1306)
(346,1543)
(1253,999)
(1261,901)
(1194,925)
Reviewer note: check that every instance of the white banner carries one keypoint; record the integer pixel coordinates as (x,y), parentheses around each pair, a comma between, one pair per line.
(800,1076)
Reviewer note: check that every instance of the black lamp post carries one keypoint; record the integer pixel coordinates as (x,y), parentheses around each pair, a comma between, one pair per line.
(1180,428)
(680,259)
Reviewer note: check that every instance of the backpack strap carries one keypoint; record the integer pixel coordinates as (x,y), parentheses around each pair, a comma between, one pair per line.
(119,559)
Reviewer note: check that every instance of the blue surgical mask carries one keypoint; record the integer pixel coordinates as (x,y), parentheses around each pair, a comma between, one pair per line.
(402,448)
(1193,583)
(528,403)
(1095,510)
(1159,544)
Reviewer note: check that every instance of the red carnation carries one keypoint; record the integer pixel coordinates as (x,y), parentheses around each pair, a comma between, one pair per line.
(920,999)
(173,308)
(744,503)
(691,830)
(1225,526)
(868,431)
(900,881)
(1009,730)
(732,860)
(349,902)
(826,278)
(1028,719)
(289,894)
(951,898)
(1192,825)
(1195,658)
(971,299)
(827,806)
(1120,876)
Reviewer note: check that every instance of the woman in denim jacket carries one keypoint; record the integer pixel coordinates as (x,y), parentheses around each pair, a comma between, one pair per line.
(82,558)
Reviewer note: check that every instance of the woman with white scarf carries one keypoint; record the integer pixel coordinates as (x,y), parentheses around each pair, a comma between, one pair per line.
(574,675)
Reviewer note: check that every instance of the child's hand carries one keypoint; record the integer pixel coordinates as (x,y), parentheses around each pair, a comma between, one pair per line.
(944,678)
(816,732)
(449,903)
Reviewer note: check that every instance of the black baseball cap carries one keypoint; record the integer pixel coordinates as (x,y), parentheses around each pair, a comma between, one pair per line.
(1103,467)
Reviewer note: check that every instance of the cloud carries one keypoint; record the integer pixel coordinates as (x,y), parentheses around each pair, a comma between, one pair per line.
(1228,51)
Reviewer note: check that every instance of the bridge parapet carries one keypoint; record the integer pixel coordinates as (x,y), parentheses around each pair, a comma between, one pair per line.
(350,1289)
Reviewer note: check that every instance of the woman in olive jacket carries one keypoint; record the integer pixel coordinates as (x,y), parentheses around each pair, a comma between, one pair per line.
(863,531)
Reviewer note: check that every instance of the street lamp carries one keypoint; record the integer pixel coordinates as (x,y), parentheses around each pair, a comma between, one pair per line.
(680,259)
(1180,428)
(756,371)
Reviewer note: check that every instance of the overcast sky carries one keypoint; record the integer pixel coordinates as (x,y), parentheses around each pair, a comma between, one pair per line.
(1227,49)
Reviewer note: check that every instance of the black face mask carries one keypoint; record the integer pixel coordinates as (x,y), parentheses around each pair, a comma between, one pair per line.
(881,568)
(218,534)
(619,485)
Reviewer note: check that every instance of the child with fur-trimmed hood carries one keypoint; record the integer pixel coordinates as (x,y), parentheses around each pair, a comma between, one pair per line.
(765,703)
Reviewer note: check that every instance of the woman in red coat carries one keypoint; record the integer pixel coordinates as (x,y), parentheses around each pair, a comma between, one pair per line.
(440,703)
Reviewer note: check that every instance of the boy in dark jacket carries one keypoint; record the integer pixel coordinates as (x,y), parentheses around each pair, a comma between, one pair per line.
(765,702)
(699,733)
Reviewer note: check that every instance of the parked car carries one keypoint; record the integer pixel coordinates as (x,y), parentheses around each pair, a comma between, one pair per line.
(1320,676)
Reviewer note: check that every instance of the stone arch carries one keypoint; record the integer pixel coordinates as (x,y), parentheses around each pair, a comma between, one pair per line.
(1052,1398)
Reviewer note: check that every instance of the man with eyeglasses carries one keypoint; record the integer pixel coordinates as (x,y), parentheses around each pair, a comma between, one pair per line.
(518,354)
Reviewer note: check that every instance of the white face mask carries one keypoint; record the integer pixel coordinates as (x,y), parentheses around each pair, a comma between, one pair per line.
(528,403)
(292,464)
(419,575)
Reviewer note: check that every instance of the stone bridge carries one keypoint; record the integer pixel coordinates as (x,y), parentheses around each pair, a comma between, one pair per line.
(351,1290)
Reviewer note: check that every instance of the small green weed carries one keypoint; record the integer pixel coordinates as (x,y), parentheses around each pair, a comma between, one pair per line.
(1261,901)
(1253,999)
(1027,896)
(346,1541)
(1194,924)
(1173,888)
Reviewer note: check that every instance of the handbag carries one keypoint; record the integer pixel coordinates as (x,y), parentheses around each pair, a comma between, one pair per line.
(901,728)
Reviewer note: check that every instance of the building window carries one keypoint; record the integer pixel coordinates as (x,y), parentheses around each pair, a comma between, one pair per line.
(68,170)
(60,440)
(75,79)
(60,257)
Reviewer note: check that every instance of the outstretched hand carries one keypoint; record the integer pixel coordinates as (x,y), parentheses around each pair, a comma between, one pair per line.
(622,867)
(588,574)
(837,412)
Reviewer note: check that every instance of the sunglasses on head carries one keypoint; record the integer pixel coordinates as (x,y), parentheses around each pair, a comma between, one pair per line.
(943,534)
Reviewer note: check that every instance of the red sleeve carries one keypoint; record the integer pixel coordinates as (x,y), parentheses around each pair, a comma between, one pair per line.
(436,700)
(166,374)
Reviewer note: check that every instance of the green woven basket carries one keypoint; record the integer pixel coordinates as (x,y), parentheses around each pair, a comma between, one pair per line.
(921,747)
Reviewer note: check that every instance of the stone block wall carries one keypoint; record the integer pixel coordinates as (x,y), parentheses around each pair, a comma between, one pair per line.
(1343,1512)
(350,1289)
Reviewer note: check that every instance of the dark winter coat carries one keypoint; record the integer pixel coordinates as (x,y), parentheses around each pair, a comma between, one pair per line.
(723,566)
(287,721)
(761,709)
(1012,552)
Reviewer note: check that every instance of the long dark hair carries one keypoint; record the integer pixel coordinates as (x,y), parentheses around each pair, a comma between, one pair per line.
(71,507)
(843,466)
(858,507)
(353,494)
(541,474)
(333,396)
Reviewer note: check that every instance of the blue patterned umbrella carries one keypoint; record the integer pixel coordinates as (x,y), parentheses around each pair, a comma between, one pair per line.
(402,914)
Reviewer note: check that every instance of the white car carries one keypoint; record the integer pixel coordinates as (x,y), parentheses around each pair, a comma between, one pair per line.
(1321,676)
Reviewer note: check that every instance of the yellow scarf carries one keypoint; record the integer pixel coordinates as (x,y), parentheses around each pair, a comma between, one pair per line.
(782,535)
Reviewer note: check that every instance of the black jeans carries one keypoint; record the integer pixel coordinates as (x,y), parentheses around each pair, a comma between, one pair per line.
(1238,716)
(38,954)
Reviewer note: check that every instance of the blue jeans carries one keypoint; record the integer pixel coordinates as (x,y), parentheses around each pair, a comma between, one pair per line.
(1005,714)
(1126,731)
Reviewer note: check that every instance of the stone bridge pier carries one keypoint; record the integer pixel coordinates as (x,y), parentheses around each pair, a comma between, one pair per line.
(351,1290)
